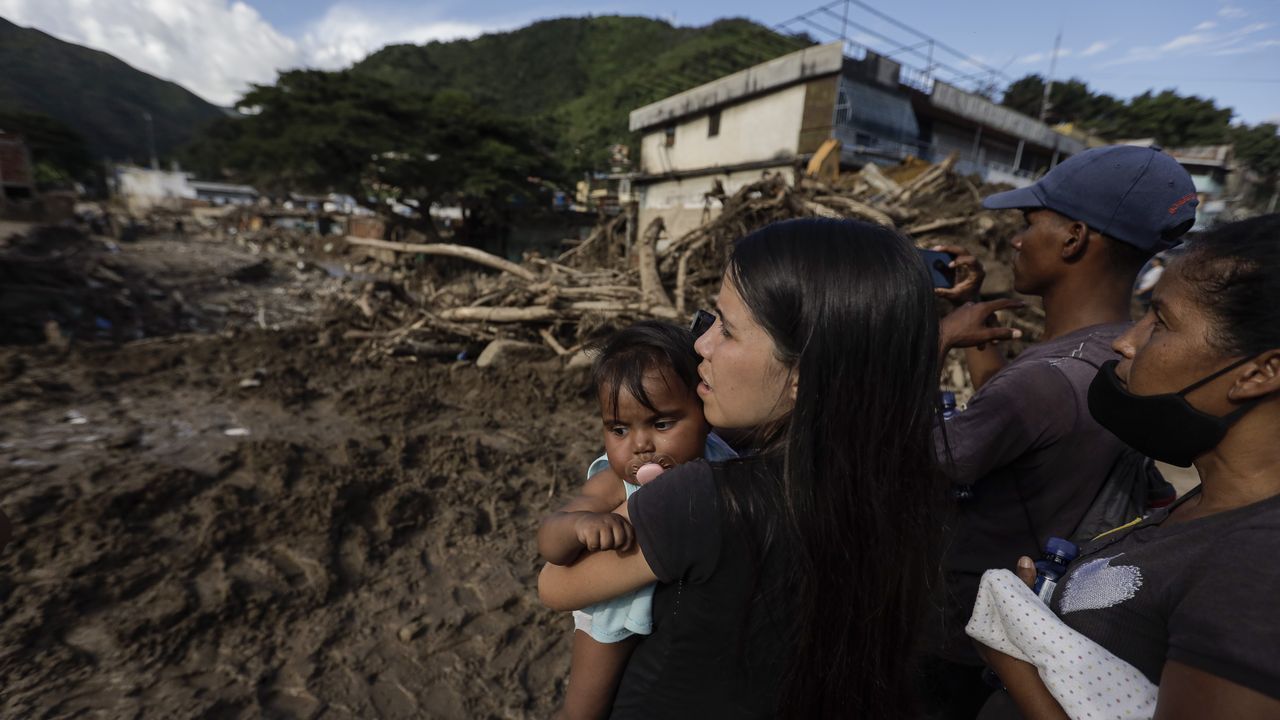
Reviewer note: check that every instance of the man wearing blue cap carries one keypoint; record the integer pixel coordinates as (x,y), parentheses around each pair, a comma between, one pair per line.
(1026,455)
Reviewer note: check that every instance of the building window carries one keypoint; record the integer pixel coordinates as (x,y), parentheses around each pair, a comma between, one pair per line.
(670,132)
(844,109)
(713,123)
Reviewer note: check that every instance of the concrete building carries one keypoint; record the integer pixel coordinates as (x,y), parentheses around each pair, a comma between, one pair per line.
(772,117)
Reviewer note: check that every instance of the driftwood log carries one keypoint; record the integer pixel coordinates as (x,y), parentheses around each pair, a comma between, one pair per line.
(458,251)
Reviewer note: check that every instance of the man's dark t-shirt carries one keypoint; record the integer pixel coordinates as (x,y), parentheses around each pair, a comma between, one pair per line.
(702,661)
(1036,460)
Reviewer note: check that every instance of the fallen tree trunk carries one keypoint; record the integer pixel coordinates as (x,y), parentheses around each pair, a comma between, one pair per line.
(936,225)
(854,207)
(458,251)
(647,259)
(500,314)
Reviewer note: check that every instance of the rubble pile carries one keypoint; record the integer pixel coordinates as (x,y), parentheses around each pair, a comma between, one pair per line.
(61,284)
(622,273)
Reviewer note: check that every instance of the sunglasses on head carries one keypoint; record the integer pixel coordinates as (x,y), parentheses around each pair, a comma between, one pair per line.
(702,322)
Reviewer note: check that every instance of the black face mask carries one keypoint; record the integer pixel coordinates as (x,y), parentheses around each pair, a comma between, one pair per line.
(1163,427)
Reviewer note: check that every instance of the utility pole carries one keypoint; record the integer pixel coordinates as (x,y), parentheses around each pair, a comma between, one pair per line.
(1048,85)
(151,140)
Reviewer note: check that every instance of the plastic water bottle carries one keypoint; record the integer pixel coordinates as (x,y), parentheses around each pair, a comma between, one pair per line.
(1050,568)
(948,405)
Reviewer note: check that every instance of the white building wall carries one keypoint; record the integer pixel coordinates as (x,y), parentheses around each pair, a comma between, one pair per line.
(681,203)
(760,129)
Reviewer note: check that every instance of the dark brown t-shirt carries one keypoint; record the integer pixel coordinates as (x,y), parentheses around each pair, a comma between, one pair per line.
(1205,593)
(1035,458)
(1202,593)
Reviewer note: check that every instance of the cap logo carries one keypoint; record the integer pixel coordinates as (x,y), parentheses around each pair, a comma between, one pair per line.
(1181,201)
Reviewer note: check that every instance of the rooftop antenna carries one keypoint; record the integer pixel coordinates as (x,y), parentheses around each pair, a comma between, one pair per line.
(1048,85)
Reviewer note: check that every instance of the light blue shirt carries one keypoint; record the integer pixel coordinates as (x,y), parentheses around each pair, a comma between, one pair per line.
(632,613)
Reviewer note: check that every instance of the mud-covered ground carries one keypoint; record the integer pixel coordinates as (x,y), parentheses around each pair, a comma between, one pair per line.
(244,523)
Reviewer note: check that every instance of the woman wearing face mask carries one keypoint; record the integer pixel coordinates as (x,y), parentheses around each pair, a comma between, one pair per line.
(791,581)
(1188,595)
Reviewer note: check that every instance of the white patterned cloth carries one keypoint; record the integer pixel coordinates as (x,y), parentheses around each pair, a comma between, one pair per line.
(1085,678)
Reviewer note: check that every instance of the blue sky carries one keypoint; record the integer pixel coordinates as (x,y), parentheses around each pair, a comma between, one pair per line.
(1225,49)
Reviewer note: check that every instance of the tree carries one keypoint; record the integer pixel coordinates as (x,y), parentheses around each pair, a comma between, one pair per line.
(1258,148)
(1172,119)
(1176,120)
(60,155)
(1024,95)
(322,131)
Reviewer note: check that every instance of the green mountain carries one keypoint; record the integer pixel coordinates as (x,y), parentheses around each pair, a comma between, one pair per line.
(96,95)
(583,76)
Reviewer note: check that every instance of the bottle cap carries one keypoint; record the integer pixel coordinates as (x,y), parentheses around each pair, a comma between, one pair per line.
(1064,549)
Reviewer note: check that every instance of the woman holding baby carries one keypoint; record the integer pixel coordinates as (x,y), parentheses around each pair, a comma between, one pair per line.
(790,581)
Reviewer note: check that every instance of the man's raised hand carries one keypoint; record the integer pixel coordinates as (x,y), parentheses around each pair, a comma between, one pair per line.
(969,275)
(972,325)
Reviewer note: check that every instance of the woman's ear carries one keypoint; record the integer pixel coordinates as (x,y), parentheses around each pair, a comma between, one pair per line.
(1262,378)
(795,384)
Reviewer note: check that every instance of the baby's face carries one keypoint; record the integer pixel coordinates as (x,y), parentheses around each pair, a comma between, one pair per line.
(674,431)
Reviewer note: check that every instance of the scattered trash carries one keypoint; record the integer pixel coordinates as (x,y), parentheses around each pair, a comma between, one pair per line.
(236,432)
(75,418)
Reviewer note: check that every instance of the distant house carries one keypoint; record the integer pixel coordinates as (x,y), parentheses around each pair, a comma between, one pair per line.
(143,189)
(216,193)
(773,116)
(17,180)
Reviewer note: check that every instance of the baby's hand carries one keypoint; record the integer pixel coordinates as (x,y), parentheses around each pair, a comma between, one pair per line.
(604,531)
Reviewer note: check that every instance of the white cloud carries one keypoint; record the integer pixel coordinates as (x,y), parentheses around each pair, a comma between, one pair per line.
(1036,57)
(1227,42)
(1185,41)
(212,47)
(1206,25)
(1232,11)
(1095,48)
(1252,47)
(217,48)
(346,34)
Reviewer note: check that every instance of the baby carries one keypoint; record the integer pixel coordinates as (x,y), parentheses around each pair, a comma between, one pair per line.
(646,378)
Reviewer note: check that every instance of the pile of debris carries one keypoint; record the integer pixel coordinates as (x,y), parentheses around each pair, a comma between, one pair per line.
(621,273)
(60,284)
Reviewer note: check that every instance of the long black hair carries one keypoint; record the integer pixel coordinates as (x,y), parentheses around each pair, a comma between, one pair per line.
(850,308)
(1235,271)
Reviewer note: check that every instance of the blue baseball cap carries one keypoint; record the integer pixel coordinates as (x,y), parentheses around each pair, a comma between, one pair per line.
(1137,195)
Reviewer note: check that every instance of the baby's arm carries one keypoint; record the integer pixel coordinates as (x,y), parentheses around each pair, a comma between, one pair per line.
(587,522)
